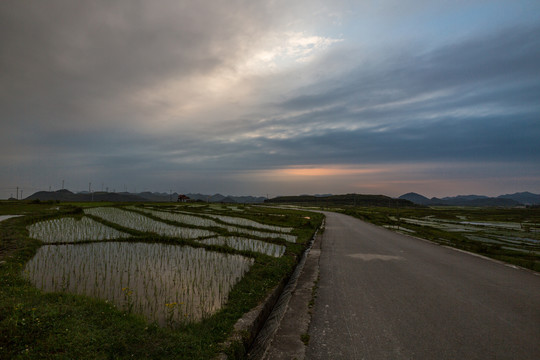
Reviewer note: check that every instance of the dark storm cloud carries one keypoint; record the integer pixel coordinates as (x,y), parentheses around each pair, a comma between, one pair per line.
(63,63)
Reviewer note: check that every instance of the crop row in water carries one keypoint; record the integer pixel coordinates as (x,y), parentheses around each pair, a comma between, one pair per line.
(261,234)
(234,242)
(166,283)
(249,223)
(193,219)
(239,243)
(72,230)
(136,221)
(231,220)
(181,218)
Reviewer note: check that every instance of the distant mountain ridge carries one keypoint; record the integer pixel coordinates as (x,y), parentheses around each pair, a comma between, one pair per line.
(345,199)
(526,198)
(415,198)
(508,200)
(66,195)
(227,199)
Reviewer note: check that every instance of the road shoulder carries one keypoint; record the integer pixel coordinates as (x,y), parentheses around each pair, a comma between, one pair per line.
(291,337)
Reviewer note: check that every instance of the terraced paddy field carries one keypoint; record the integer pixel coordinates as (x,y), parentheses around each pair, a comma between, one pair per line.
(160,281)
(510,235)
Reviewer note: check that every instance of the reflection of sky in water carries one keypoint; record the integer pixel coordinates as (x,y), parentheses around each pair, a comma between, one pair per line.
(5,217)
(510,235)
(140,222)
(247,244)
(72,230)
(141,276)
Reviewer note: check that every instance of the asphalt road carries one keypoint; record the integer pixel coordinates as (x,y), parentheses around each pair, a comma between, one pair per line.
(383,295)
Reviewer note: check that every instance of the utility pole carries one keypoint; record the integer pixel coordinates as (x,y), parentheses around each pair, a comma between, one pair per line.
(17,193)
(89,186)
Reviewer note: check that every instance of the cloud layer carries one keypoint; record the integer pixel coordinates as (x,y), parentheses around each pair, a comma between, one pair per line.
(244,97)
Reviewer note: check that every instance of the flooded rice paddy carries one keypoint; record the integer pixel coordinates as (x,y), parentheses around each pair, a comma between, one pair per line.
(5,217)
(250,223)
(238,243)
(261,234)
(274,232)
(522,237)
(72,230)
(166,283)
(136,221)
(180,217)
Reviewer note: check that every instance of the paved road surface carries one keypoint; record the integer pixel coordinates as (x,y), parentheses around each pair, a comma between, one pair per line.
(387,296)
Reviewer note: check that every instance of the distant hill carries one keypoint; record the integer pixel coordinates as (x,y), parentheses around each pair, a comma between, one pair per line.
(158,197)
(511,200)
(416,198)
(248,199)
(464,198)
(526,198)
(66,195)
(348,199)
(227,199)
(217,198)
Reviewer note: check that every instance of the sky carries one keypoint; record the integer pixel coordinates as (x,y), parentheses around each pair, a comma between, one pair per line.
(270,97)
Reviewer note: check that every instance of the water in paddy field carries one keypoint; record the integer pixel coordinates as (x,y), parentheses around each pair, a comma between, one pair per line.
(193,219)
(5,217)
(237,243)
(136,221)
(510,235)
(165,283)
(72,230)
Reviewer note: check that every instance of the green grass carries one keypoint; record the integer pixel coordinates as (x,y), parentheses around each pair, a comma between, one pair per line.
(39,325)
(305,338)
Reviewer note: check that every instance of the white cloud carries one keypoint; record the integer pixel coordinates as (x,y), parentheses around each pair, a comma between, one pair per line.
(281,50)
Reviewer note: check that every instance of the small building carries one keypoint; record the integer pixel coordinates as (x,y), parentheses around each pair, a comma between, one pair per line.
(183,198)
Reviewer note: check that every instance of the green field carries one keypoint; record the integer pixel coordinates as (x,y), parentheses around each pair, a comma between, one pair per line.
(156,281)
(509,235)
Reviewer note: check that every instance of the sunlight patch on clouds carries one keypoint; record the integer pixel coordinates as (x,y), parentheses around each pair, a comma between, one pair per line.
(199,95)
(280,50)
(187,103)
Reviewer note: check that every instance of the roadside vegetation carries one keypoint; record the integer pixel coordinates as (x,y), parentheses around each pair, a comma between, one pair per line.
(157,281)
(511,235)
